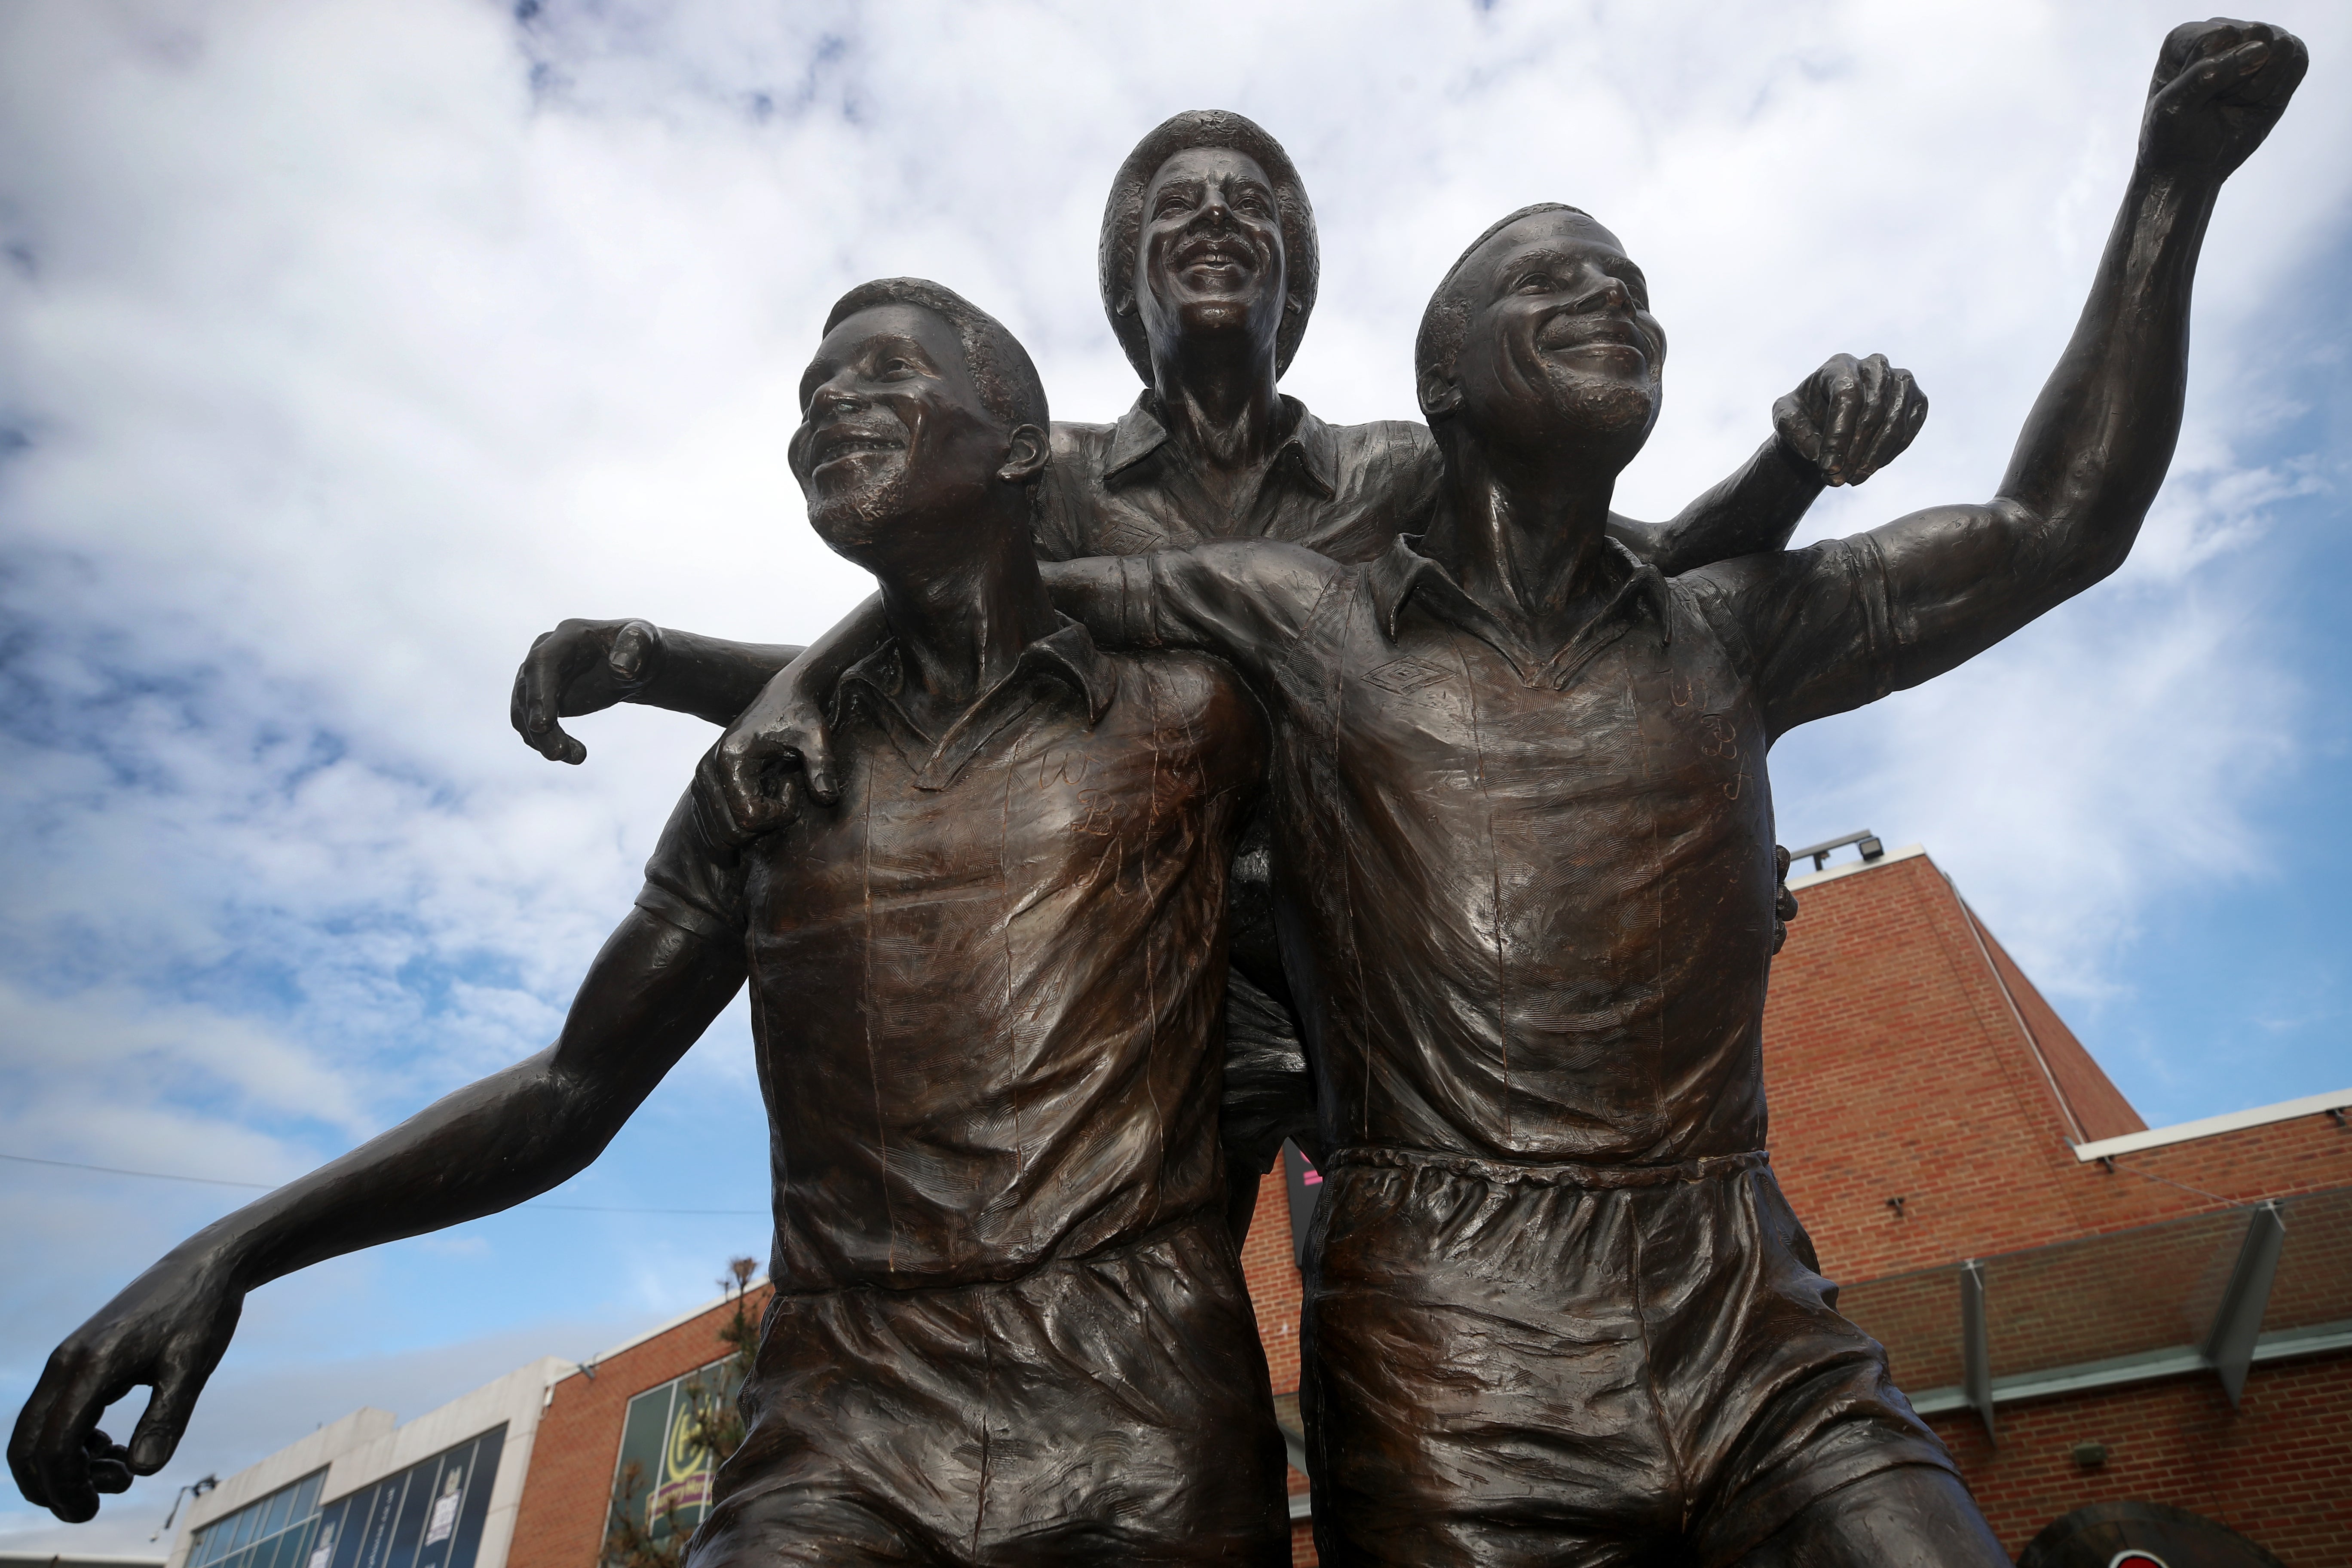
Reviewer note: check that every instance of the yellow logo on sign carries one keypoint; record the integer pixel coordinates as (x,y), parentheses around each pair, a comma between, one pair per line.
(685,1465)
(683,1458)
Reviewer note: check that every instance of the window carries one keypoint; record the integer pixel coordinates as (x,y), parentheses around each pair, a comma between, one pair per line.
(429,1515)
(269,1532)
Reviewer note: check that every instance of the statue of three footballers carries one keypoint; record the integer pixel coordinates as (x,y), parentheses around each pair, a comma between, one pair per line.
(1176,750)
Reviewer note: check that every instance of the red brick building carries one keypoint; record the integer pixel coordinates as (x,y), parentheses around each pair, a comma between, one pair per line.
(1930,1111)
(2087,1310)
(577,1460)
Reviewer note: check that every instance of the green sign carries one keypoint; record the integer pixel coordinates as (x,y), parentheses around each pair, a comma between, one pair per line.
(662,1481)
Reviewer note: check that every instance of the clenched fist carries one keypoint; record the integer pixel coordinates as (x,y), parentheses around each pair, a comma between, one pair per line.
(2218,88)
(1851,417)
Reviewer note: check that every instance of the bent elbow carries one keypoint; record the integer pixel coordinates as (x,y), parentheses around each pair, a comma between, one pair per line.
(2071,550)
(2088,555)
(566,1118)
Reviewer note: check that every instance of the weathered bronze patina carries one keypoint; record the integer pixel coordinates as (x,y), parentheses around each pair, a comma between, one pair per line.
(1209,266)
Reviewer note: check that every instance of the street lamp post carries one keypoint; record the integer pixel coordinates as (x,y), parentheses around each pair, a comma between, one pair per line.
(194,1489)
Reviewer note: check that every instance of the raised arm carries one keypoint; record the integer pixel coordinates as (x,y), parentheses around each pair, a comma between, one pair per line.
(649,996)
(1846,421)
(586,666)
(1958,579)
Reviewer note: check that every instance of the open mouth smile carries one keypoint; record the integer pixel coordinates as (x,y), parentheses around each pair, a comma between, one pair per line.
(1583,332)
(836,446)
(1213,253)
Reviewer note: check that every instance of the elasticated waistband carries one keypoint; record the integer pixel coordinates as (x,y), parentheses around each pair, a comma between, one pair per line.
(1573,1173)
(1207,1224)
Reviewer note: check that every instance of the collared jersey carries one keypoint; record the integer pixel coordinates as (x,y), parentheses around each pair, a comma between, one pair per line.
(985,982)
(1344,490)
(1525,897)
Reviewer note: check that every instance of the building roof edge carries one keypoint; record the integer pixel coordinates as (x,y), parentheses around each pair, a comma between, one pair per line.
(574,1368)
(2213,1126)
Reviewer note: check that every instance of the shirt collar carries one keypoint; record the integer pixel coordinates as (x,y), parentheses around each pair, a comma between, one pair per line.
(1070,654)
(1067,655)
(1400,570)
(1309,448)
(1392,577)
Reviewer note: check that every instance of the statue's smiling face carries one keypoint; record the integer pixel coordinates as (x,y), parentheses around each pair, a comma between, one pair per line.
(1209,254)
(892,423)
(1559,336)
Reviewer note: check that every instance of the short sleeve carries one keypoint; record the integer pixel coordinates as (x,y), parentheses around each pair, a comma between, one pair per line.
(1812,625)
(694,881)
(1058,522)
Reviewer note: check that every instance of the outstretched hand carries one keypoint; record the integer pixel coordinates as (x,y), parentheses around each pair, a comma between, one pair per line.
(777,750)
(1851,417)
(2218,88)
(167,1331)
(581,666)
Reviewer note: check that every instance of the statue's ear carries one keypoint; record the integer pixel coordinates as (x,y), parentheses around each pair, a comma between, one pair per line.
(1441,395)
(1125,304)
(1027,450)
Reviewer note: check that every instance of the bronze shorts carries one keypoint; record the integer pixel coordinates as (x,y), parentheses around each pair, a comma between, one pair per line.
(1113,1408)
(1518,1364)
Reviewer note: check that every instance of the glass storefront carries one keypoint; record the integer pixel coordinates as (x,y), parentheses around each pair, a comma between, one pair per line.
(429,1515)
(273,1533)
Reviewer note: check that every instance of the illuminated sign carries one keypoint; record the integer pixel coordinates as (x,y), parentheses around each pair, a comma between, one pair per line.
(662,1481)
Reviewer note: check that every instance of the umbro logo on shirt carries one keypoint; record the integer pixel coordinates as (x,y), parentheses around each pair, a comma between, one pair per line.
(1129,539)
(1405,676)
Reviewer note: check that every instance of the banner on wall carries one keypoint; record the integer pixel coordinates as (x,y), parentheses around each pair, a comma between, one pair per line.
(662,1478)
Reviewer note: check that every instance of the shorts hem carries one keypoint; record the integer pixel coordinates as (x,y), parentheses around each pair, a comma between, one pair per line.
(1731,1535)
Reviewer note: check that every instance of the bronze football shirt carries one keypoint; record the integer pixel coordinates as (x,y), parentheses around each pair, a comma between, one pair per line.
(1345,490)
(985,984)
(1526,897)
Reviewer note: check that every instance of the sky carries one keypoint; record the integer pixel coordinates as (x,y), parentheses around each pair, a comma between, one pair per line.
(344,347)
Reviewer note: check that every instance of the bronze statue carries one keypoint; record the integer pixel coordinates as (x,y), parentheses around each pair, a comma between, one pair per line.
(1523,879)
(1009,1324)
(1209,266)
(1557,1308)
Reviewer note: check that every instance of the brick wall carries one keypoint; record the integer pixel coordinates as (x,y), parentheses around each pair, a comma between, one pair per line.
(567,1491)
(2278,1471)
(1900,1065)
(1273,1276)
(1906,1055)
(1274,1279)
